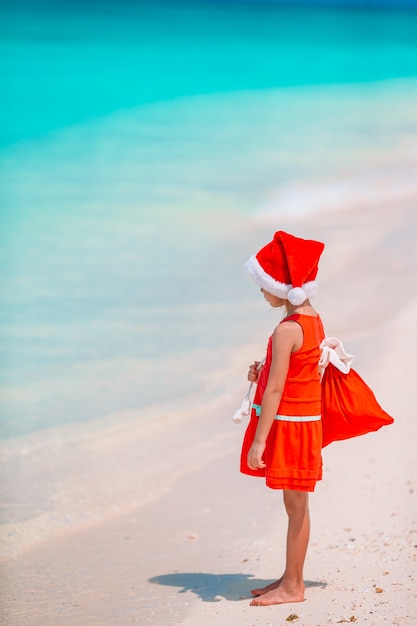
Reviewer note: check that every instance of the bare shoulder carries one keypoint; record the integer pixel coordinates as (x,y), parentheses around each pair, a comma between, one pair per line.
(288,334)
(288,329)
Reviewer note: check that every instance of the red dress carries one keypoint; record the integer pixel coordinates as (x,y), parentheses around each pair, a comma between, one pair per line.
(293,447)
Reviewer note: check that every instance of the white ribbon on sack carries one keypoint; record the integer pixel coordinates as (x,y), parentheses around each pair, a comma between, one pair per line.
(332,351)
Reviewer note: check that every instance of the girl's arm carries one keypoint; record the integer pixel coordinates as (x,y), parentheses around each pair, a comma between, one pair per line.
(287,338)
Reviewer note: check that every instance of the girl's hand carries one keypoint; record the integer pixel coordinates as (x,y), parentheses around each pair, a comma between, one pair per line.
(255,460)
(254,372)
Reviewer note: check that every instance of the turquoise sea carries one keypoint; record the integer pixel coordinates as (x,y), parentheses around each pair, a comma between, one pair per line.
(141,146)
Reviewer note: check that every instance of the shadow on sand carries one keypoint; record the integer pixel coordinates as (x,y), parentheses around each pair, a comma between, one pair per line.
(214,587)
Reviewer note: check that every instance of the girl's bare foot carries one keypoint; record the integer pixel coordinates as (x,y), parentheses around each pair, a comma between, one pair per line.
(270,587)
(282,594)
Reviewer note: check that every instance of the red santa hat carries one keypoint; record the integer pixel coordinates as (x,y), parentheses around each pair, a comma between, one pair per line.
(287,267)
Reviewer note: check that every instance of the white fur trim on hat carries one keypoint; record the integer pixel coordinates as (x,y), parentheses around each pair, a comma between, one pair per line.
(266,281)
(295,295)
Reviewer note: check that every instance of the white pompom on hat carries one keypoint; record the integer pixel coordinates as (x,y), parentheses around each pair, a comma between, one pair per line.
(287,267)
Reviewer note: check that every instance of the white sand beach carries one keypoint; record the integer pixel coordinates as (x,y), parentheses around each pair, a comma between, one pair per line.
(197,535)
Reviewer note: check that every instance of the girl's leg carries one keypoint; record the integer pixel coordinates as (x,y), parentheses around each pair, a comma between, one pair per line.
(290,588)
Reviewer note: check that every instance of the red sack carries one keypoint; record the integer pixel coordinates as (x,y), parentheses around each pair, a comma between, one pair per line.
(349,408)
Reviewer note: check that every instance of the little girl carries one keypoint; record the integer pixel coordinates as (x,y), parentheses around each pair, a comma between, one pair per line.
(283,440)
